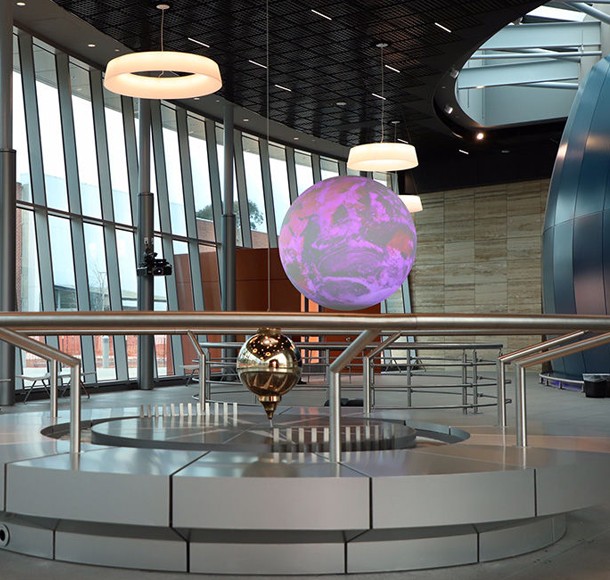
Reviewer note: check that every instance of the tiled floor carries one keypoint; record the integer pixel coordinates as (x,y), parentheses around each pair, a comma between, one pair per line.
(572,419)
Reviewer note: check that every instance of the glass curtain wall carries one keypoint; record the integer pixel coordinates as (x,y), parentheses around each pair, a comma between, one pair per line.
(77,172)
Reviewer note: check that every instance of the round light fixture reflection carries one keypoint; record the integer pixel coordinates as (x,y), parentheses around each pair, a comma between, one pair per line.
(412,203)
(125,75)
(347,243)
(382,157)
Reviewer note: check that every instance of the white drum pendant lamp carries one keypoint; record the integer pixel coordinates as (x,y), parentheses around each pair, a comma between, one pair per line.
(390,156)
(152,74)
(382,157)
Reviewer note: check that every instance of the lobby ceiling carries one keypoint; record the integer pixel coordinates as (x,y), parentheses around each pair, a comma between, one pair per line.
(331,65)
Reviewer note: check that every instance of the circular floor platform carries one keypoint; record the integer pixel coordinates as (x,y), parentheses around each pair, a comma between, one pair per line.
(221,510)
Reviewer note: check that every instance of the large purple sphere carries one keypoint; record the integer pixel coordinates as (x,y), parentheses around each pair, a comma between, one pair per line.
(347,243)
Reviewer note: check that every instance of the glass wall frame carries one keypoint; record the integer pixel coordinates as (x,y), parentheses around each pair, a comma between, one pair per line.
(91,214)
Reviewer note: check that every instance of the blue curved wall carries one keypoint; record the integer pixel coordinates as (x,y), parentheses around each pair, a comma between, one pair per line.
(576,237)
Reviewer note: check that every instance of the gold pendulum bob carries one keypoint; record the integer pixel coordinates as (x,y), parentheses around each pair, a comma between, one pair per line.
(269,365)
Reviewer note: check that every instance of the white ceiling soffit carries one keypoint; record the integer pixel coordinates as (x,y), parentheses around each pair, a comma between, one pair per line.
(530,70)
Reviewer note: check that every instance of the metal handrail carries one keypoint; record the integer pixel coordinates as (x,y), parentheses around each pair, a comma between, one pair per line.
(203,377)
(515,355)
(369,327)
(134,322)
(56,357)
(558,352)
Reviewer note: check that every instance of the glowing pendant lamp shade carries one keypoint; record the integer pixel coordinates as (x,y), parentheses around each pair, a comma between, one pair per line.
(412,203)
(125,75)
(347,243)
(382,157)
(162,74)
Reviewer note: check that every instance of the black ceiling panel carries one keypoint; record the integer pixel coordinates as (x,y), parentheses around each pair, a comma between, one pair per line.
(322,61)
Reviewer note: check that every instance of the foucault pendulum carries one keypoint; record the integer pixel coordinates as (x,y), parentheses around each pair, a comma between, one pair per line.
(269,365)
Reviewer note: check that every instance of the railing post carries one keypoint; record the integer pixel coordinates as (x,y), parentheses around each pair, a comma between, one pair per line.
(366,385)
(464,382)
(334,404)
(334,400)
(53,389)
(501,392)
(203,379)
(520,400)
(475,382)
(75,419)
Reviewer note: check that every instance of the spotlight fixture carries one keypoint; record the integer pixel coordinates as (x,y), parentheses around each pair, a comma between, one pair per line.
(143,74)
(480,136)
(382,156)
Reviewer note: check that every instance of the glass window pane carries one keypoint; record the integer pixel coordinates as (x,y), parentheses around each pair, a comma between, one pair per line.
(64,284)
(163,345)
(97,275)
(85,142)
(20,141)
(117,155)
(279,183)
(182,274)
(50,129)
(383,178)
(202,191)
(254,191)
(304,169)
(174,174)
(160,291)
(329,168)
(28,278)
(97,270)
(127,269)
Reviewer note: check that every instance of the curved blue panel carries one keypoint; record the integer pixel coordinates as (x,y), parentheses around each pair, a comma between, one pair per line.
(576,237)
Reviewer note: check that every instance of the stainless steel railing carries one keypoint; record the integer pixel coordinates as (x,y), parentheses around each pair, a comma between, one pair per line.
(15,325)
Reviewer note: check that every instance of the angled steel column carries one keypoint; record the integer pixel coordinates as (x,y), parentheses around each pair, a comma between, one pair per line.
(146,225)
(8,195)
(228,273)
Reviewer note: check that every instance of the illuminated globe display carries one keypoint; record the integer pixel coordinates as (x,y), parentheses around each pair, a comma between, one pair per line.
(347,243)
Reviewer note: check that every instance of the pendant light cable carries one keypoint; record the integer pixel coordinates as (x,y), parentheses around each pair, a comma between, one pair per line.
(382,45)
(268,112)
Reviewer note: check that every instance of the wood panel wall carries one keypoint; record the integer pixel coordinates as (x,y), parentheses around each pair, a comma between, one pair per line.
(479,251)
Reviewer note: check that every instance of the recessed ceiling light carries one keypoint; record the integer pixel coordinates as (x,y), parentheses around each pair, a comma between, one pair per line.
(246,120)
(378,96)
(198,42)
(341,103)
(464,152)
(320,14)
(505,151)
(442,27)
(392,68)
(284,88)
(196,98)
(117,50)
(448,109)
(480,136)
(295,138)
(20,3)
(256,63)
(91,45)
